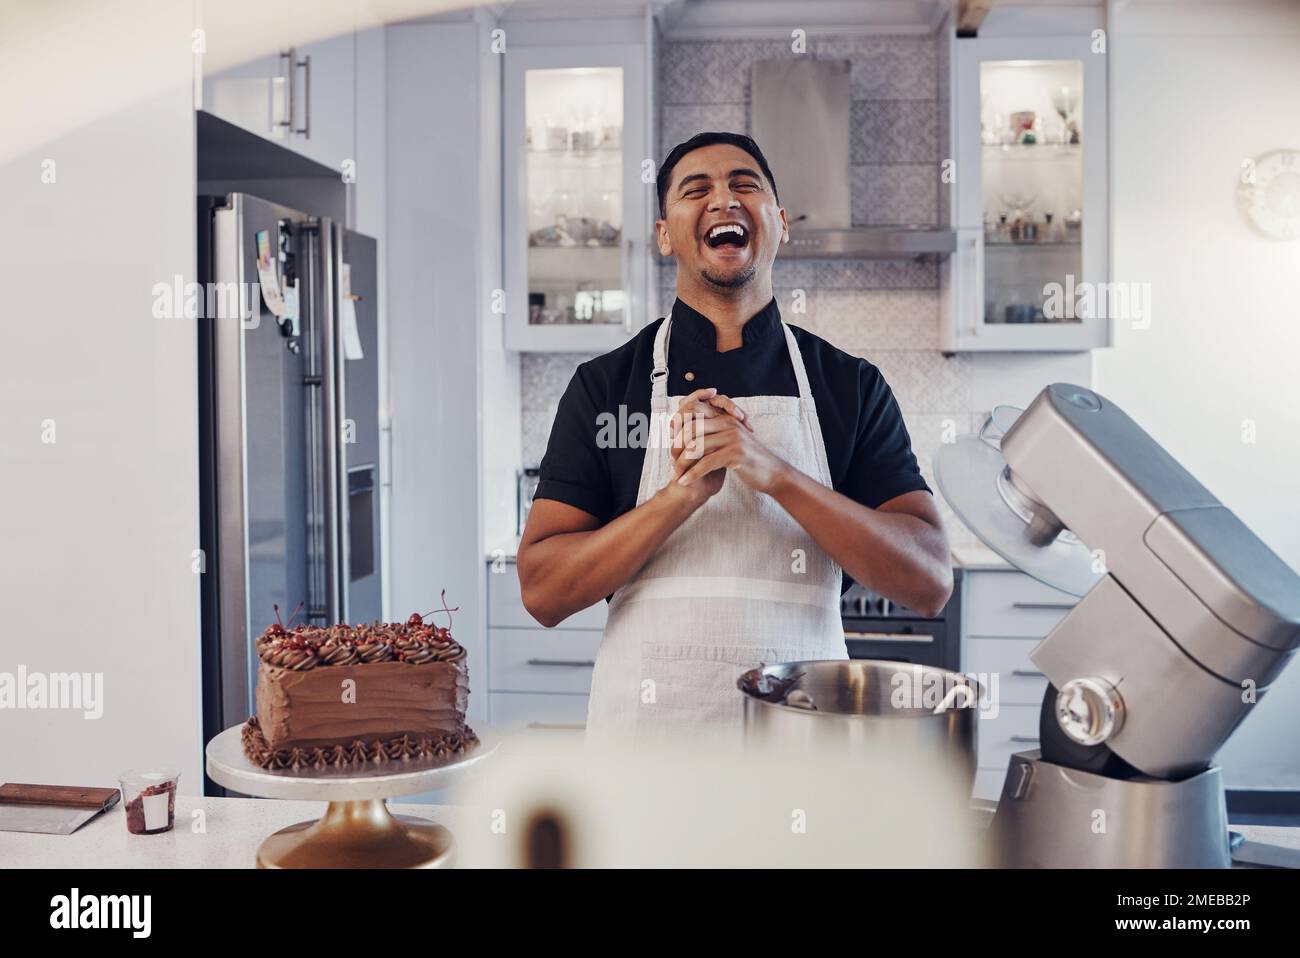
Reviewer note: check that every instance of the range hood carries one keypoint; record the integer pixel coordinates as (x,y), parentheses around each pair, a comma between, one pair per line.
(869,242)
(800,117)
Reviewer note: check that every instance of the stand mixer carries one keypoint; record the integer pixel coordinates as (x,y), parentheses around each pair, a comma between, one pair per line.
(1186,618)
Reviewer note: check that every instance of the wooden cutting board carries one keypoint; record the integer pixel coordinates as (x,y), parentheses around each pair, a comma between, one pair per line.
(51,809)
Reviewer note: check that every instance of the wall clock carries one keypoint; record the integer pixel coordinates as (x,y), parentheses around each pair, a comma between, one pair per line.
(1269,194)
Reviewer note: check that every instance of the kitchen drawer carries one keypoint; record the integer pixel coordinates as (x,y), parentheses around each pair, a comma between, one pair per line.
(1015,729)
(1019,681)
(506,604)
(515,710)
(988,783)
(541,660)
(1011,604)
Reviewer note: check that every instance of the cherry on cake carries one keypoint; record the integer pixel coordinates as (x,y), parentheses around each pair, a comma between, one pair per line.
(354,695)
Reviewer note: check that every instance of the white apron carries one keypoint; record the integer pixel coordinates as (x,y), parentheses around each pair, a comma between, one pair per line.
(737,584)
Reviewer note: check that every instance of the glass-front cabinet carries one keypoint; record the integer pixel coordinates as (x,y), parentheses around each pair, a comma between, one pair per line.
(577,211)
(1030,271)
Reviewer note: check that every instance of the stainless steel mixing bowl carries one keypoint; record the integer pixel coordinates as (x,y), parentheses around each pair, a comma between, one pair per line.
(865,704)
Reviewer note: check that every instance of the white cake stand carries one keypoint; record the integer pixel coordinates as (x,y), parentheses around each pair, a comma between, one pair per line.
(357,830)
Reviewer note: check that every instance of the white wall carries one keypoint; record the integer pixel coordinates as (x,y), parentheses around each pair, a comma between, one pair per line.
(500,388)
(435,305)
(369,199)
(98,527)
(1196,88)
(1014,379)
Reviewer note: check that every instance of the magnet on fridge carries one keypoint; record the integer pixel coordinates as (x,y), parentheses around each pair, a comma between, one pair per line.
(289,322)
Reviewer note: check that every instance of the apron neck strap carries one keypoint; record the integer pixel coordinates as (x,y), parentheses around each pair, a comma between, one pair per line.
(659,375)
(796,360)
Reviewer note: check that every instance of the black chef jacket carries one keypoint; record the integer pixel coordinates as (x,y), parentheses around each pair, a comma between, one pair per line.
(867,446)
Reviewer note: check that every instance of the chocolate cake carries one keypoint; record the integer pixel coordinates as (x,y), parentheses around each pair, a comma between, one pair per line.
(346,695)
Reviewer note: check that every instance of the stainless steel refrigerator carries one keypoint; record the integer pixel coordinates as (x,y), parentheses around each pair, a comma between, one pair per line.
(289,435)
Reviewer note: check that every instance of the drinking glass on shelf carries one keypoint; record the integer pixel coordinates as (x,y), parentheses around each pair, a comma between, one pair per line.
(1019,202)
(990,122)
(1001,130)
(557,138)
(1065,101)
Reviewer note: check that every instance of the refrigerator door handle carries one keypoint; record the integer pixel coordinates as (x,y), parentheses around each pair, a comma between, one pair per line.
(318,610)
(335,512)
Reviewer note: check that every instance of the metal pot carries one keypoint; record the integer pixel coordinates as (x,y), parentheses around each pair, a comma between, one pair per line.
(864,703)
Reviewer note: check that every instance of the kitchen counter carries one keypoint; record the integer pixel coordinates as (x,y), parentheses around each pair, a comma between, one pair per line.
(235,827)
(509,549)
(976,555)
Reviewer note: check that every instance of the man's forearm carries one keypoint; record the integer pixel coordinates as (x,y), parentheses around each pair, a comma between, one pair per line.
(565,573)
(901,556)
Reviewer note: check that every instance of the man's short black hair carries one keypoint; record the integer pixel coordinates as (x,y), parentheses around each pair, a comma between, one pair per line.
(664,179)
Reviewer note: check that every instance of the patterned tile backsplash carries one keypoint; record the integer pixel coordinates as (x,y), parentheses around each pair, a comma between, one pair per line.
(894,116)
(883,310)
(893,131)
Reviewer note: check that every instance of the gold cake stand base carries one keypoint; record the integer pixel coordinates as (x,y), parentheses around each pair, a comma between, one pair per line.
(360,834)
(357,829)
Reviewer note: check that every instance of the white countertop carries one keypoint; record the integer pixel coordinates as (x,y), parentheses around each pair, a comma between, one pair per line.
(235,827)
(508,548)
(976,555)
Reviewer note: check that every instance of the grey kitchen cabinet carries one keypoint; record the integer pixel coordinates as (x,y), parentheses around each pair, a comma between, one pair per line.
(1009,603)
(1005,615)
(506,604)
(512,711)
(252,95)
(327,105)
(303,98)
(537,678)
(542,660)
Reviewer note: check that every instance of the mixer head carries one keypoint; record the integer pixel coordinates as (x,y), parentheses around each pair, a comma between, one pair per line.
(1001,509)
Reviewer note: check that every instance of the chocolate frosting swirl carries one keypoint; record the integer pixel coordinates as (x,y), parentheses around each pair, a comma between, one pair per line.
(287,657)
(375,652)
(341,653)
(404,749)
(307,647)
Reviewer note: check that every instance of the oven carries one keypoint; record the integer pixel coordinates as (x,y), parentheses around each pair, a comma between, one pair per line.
(877,628)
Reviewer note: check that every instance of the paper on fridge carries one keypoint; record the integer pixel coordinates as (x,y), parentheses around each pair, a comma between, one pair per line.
(266,274)
(348,316)
(291,314)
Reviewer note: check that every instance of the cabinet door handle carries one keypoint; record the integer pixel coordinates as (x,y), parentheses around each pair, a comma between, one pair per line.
(891,636)
(566,663)
(627,300)
(305,63)
(1025,739)
(290,56)
(1042,605)
(977,280)
(1028,672)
